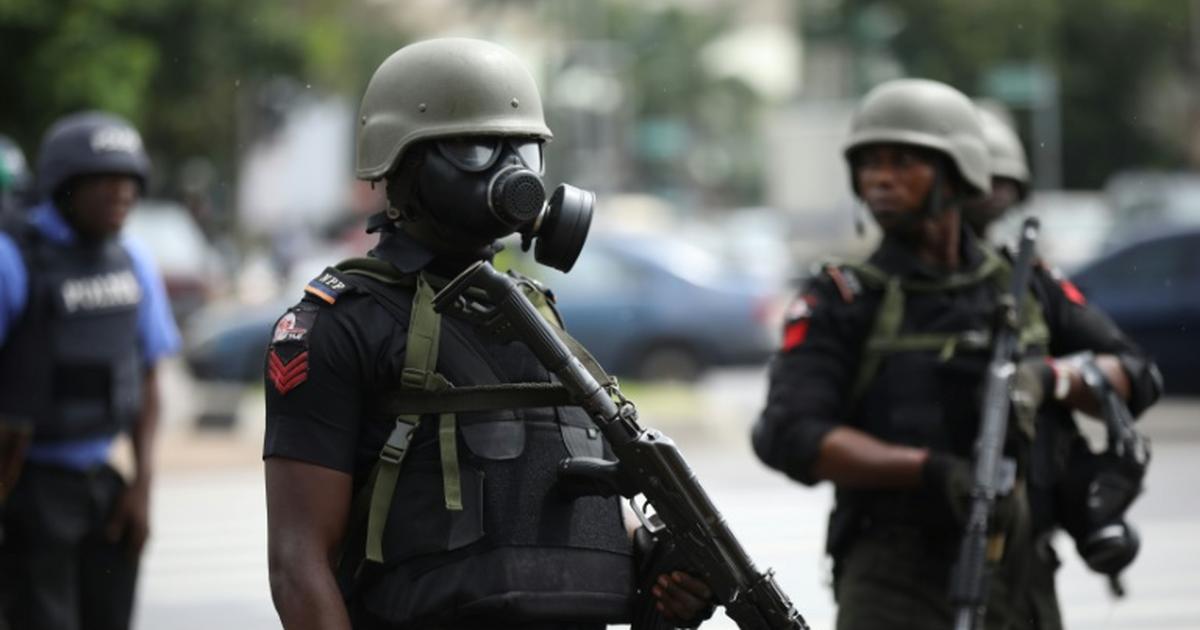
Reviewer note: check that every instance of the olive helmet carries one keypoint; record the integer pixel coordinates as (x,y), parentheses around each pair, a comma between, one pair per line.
(1005,151)
(90,143)
(926,114)
(440,88)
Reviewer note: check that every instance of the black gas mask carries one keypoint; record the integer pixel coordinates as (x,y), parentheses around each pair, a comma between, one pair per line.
(487,187)
(1100,487)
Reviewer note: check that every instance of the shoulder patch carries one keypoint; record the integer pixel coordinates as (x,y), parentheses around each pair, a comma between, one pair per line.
(294,326)
(795,328)
(287,358)
(327,286)
(1072,292)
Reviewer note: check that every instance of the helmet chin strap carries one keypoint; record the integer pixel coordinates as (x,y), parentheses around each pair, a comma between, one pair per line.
(936,201)
(401,190)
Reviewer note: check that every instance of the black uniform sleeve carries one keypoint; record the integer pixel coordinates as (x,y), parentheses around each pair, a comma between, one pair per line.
(314,379)
(1076,326)
(809,379)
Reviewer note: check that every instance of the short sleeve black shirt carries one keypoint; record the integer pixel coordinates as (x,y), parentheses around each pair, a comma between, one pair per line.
(352,350)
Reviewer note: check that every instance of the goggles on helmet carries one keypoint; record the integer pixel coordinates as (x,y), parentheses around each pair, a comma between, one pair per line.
(478,153)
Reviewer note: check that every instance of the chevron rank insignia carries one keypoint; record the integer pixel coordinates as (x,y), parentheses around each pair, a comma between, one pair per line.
(287,360)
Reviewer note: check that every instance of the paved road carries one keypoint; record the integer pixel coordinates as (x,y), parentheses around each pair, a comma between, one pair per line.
(206,565)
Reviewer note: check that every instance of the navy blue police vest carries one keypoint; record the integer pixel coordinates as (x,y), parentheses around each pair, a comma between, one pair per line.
(71,363)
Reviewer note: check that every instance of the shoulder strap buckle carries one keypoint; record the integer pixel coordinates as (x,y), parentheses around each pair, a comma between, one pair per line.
(397,443)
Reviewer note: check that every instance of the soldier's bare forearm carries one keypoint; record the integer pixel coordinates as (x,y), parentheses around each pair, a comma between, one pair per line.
(306,596)
(306,520)
(852,458)
(146,428)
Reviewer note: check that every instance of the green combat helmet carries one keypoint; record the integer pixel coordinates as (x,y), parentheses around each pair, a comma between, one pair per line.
(441,88)
(1005,151)
(927,114)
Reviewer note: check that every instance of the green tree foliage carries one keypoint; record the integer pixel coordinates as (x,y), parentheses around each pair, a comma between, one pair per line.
(1109,55)
(184,71)
(693,136)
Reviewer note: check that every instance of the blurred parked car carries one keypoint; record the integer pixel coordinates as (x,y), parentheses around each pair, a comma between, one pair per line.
(658,307)
(1076,226)
(646,306)
(227,343)
(1154,198)
(1151,289)
(189,265)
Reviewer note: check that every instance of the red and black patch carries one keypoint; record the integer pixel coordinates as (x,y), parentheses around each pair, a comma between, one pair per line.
(796,319)
(1072,292)
(287,359)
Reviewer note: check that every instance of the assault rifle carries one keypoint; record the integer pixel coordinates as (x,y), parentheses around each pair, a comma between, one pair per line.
(994,475)
(648,464)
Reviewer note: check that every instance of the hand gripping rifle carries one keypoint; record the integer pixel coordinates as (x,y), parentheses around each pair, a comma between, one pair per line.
(994,474)
(648,464)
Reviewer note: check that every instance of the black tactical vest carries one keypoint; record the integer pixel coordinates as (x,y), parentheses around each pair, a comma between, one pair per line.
(71,363)
(518,550)
(921,387)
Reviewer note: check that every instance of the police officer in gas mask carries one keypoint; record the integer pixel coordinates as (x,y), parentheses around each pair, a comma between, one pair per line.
(84,322)
(411,453)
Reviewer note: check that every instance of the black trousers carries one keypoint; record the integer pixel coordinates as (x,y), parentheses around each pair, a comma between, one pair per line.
(58,571)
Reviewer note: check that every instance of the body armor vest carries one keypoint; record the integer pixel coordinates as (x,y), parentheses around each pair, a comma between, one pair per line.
(71,364)
(473,526)
(917,383)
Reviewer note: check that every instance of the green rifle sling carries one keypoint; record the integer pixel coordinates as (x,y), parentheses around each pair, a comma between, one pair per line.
(424,391)
(885,337)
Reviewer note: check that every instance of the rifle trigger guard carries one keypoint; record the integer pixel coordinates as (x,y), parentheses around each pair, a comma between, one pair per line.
(652,523)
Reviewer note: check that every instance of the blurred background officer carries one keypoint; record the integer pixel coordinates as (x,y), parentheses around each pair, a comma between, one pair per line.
(83,323)
(1063,470)
(14,176)
(1010,174)
(876,387)
(438,519)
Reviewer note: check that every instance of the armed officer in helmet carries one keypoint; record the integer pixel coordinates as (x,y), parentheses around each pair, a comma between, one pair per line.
(84,322)
(876,387)
(410,465)
(1067,481)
